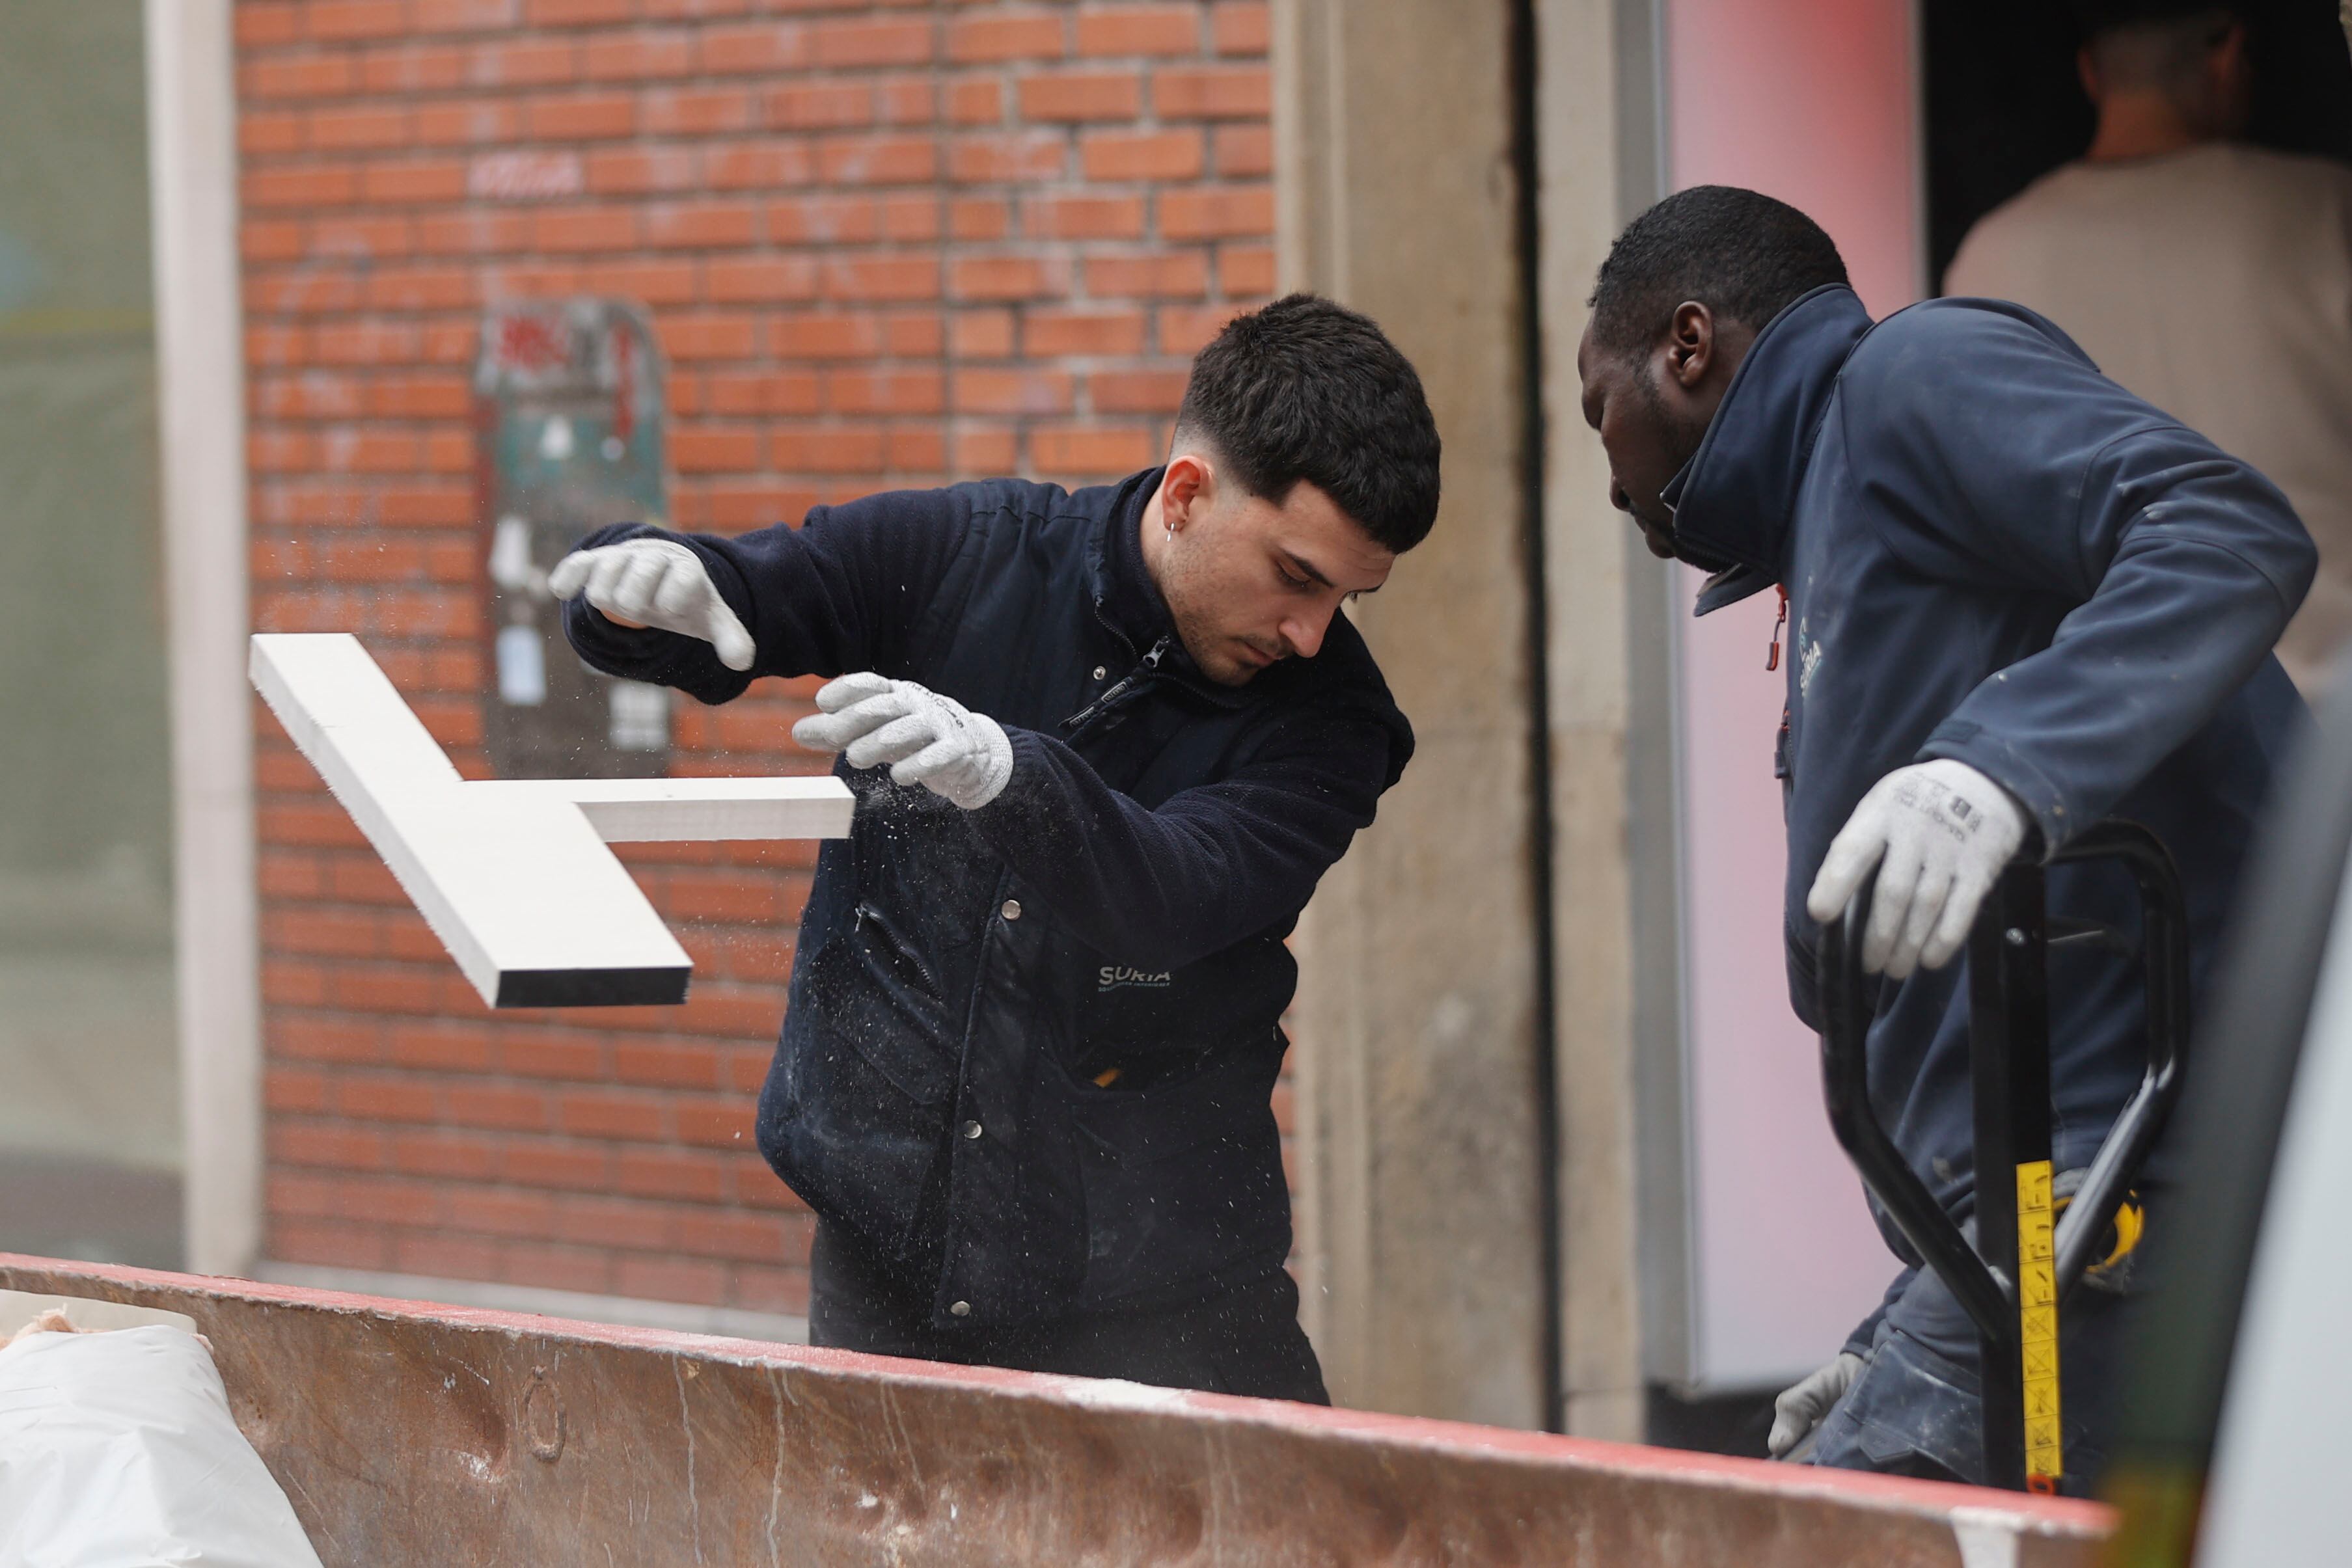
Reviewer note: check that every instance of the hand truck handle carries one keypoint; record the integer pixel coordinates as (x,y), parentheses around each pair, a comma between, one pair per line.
(2164,958)
(1848,1005)
(2009,1051)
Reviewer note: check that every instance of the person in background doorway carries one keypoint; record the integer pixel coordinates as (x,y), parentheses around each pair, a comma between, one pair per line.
(2210,277)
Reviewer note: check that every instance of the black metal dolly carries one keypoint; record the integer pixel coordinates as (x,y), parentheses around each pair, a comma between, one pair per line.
(2017,1278)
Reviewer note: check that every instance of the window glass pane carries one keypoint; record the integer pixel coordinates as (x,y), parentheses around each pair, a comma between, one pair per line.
(89,1132)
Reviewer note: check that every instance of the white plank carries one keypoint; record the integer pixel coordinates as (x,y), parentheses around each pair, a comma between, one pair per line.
(703,810)
(510,874)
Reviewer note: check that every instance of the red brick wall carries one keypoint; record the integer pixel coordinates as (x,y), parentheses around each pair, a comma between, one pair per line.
(882,244)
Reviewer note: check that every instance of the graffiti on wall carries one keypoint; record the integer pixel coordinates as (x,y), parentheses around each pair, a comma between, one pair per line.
(568,439)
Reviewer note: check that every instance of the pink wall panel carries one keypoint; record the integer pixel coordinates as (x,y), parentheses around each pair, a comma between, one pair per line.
(1811,101)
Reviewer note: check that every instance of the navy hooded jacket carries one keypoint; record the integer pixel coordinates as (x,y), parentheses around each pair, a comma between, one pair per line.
(1994,554)
(966,982)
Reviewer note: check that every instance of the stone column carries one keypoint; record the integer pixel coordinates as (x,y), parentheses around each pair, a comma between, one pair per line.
(192,174)
(1422,1037)
(1615,1029)
(1417,1009)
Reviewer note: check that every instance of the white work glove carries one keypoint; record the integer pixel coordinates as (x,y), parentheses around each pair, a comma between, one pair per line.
(655,582)
(929,739)
(1940,833)
(1800,1409)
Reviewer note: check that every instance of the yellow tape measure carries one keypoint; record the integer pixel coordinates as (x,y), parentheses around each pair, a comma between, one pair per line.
(2037,1325)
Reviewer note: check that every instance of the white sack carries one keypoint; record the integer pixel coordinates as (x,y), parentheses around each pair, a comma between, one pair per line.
(117,1450)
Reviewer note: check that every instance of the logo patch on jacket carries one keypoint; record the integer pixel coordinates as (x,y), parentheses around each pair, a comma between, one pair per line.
(1117,978)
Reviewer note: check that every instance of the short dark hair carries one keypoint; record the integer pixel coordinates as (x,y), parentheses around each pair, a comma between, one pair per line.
(2096,16)
(2155,44)
(1305,389)
(1742,255)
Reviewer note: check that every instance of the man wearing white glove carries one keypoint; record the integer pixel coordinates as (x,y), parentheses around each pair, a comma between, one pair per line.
(1105,742)
(2018,601)
(926,738)
(1939,834)
(1798,1412)
(657,583)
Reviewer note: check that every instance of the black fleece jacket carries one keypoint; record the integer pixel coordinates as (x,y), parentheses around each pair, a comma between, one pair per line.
(1122,903)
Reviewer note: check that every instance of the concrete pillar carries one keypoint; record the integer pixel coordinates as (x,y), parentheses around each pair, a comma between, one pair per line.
(1425,1040)
(1616,1035)
(200,409)
(1418,1006)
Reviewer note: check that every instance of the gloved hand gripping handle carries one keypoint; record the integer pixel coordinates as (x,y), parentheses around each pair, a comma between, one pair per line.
(2010,1062)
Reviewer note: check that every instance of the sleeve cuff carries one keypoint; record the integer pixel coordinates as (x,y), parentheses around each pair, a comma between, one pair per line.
(2047,808)
(1029,766)
(729,580)
(647,653)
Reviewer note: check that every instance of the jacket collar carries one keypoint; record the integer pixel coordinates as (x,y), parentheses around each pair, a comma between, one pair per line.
(1738,492)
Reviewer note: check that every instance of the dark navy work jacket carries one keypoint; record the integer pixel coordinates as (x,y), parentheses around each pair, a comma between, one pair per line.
(964,979)
(1994,554)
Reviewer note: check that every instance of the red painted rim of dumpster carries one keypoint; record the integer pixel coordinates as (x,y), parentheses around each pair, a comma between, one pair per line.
(2056,1516)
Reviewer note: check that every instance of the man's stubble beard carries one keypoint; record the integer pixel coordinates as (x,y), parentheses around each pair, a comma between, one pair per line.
(1684,436)
(1179,590)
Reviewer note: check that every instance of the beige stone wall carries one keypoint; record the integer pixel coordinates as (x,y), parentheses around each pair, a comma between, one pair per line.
(1425,1164)
(1609,727)
(1417,1009)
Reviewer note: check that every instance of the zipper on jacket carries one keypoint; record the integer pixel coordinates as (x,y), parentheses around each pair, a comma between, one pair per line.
(1150,666)
(1102,618)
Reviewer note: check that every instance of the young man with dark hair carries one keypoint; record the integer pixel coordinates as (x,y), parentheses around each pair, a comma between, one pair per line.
(1104,742)
(2020,601)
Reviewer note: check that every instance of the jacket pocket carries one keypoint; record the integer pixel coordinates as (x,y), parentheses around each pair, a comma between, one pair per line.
(1184,1180)
(855,1118)
(875,994)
